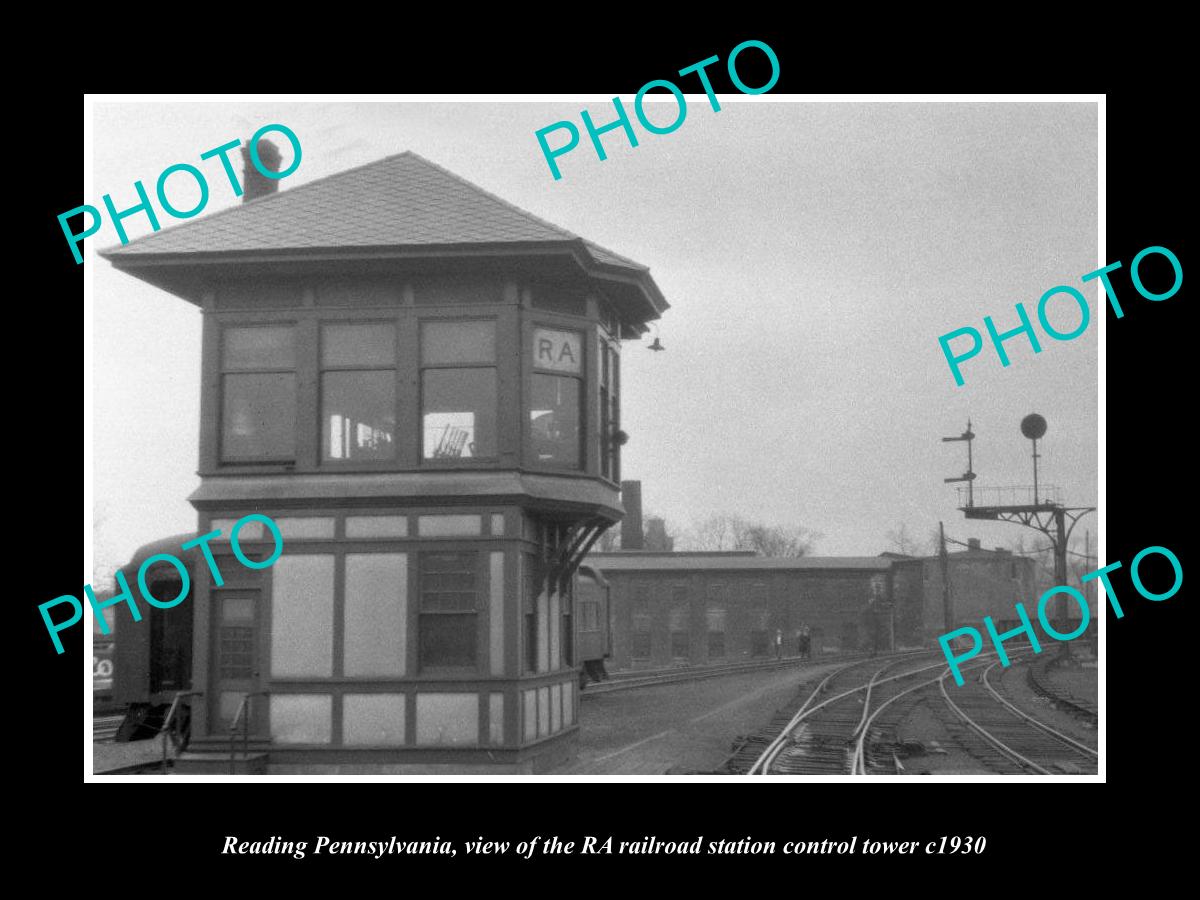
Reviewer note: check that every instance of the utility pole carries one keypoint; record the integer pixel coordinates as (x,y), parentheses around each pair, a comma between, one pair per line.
(944,560)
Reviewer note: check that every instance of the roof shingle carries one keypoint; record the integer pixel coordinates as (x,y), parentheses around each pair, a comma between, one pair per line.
(399,201)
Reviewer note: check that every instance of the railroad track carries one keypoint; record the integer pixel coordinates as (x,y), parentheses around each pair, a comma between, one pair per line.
(819,738)
(848,724)
(626,682)
(1041,679)
(1009,740)
(795,732)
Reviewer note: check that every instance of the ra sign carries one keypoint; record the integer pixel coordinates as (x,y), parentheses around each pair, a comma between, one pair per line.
(561,351)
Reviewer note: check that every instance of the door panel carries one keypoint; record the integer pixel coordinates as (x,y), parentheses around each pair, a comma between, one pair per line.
(236,664)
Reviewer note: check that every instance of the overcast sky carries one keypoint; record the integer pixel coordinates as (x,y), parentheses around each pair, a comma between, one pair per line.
(812,255)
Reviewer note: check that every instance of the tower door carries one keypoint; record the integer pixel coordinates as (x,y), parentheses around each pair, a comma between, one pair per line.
(237,628)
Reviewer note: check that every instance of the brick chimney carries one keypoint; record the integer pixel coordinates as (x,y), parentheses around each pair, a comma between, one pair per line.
(632,537)
(254,183)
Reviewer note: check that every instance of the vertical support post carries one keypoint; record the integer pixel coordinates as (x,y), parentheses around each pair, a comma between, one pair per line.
(1035,483)
(970,467)
(1060,570)
(947,610)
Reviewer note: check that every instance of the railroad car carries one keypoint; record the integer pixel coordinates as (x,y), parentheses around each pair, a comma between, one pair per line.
(594,629)
(152,659)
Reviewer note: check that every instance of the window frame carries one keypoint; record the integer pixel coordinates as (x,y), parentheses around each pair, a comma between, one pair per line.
(679,609)
(478,615)
(223,372)
(608,399)
(641,621)
(422,367)
(581,331)
(398,436)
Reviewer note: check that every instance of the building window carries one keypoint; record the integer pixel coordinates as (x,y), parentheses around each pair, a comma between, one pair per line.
(258,394)
(609,412)
(554,420)
(615,402)
(640,629)
(568,634)
(449,611)
(235,636)
(716,631)
(302,604)
(375,632)
(678,626)
(358,391)
(760,616)
(458,390)
(589,614)
(556,400)
(534,585)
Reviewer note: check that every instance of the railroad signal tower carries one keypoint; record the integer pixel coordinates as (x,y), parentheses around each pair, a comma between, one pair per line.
(1050,517)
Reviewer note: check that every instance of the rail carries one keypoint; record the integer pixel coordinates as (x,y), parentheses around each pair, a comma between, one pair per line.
(762,766)
(987,735)
(1037,723)
(625,681)
(168,721)
(242,716)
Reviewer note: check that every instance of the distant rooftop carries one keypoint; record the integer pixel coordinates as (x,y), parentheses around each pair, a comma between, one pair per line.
(708,562)
(642,554)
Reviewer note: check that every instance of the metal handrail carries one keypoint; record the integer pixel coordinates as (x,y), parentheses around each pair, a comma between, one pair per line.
(242,716)
(165,728)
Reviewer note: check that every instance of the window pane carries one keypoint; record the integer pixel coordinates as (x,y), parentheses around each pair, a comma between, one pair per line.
(376,526)
(449,526)
(259,417)
(359,415)
(554,420)
(235,636)
(301,718)
(373,719)
(358,345)
(376,613)
(460,413)
(458,342)
(301,527)
(259,348)
(447,640)
(641,645)
(302,616)
(448,582)
(679,644)
(716,643)
(447,718)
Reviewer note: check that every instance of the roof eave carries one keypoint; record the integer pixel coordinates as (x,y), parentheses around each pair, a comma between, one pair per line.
(142,264)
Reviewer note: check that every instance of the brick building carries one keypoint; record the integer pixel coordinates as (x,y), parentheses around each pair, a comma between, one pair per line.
(982,583)
(708,608)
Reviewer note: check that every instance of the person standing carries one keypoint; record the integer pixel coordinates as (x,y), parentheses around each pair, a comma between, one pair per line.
(779,643)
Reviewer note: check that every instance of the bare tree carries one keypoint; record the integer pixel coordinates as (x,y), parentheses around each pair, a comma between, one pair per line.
(717,532)
(901,541)
(725,531)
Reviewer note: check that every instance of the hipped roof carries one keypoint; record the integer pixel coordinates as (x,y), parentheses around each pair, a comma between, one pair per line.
(400,206)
